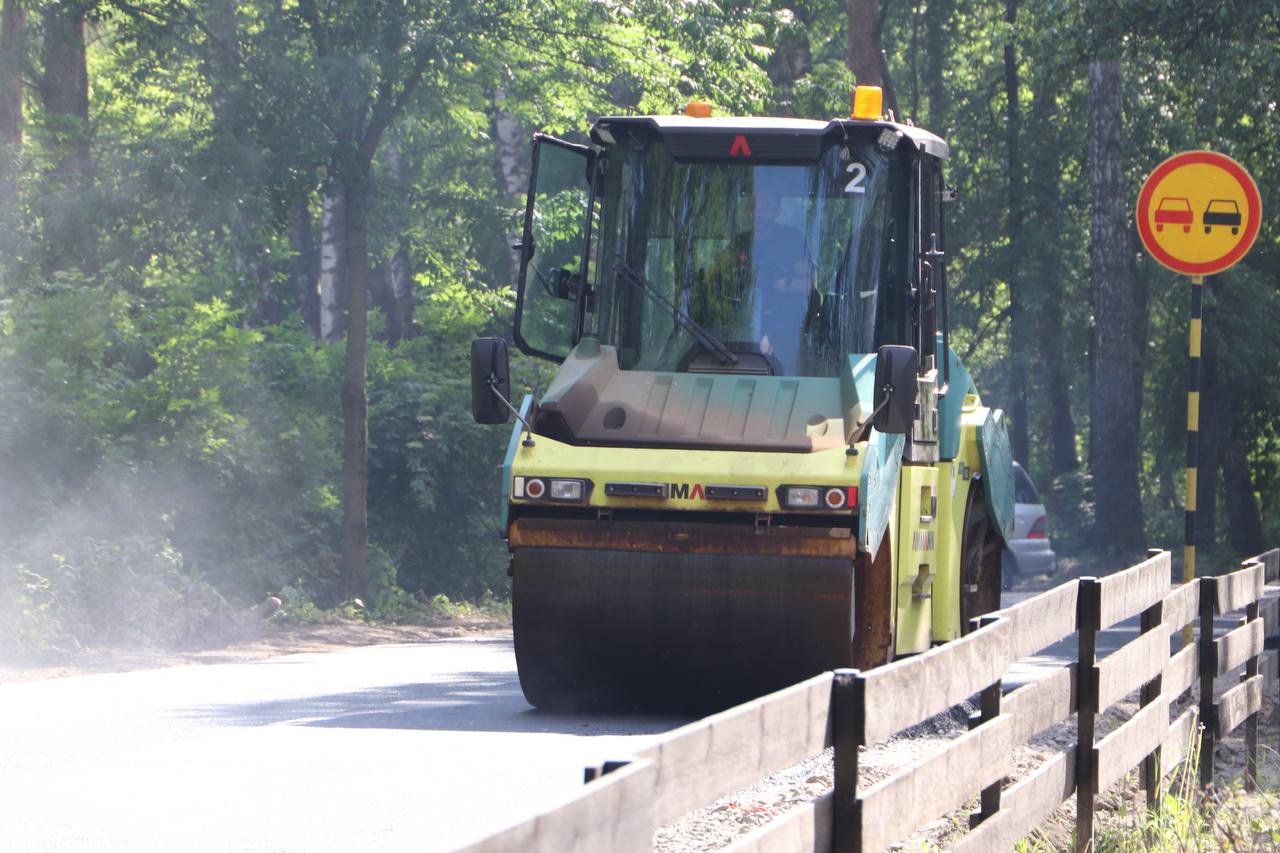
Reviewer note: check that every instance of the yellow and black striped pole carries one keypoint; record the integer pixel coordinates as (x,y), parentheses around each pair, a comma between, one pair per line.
(1193,436)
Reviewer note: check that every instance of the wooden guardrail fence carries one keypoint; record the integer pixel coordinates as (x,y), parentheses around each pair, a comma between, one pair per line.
(625,802)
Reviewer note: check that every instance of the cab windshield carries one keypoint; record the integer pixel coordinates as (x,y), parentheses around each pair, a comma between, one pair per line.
(769,269)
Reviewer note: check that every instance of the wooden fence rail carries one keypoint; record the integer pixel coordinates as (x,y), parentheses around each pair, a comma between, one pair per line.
(625,801)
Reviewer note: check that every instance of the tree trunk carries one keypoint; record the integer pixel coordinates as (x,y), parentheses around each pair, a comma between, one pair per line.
(1116,394)
(392,283)
(306,264)
(12,41)
(1045,229)
(1019,318)
(937,52)
(70,235)
(355,403)
(513,170)
(790,61)
(1044,189)
(1244,521)
(865,57)
(331,285)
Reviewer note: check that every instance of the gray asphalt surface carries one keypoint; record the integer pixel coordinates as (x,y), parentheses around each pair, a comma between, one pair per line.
(401,747)
(415,747)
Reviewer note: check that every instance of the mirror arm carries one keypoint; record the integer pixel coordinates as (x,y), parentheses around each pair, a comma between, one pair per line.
(528,434)
(866,425)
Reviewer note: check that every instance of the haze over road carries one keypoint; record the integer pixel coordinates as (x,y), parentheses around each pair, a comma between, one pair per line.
(412,747)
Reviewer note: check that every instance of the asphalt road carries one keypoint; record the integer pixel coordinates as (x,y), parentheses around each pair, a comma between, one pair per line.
(414,747)
(397,747)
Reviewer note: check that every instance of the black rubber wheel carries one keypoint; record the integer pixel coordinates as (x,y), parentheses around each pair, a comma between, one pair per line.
(980,570)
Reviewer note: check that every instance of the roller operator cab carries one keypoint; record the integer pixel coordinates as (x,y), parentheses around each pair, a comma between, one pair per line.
(759,458)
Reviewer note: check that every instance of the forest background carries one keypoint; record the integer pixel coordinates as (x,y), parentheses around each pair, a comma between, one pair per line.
(240,239)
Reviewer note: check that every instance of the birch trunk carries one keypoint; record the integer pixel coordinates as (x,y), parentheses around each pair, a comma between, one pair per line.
(1116,394)
(513,170)
(331,284)
(393,285)
(355,401)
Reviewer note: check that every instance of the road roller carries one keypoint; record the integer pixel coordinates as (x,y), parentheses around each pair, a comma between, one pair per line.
(759,457)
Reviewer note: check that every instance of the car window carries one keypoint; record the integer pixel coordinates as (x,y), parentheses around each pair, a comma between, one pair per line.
(1024,491)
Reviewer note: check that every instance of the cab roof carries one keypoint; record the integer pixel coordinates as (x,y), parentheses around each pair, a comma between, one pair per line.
(794,128)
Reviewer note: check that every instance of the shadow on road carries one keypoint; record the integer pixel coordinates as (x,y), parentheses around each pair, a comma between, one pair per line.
(468,701)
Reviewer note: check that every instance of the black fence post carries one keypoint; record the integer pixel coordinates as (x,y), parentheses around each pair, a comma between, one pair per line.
(848,697)
(988,710)
(1151,773)
(1251,724)
(1088,623)
(1208,655)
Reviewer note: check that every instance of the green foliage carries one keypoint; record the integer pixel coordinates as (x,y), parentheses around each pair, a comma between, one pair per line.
(169,422)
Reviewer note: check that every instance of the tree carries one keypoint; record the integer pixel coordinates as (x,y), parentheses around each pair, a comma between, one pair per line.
(12,49)
(1116,388)
(866,60)
(70,238)
(1020,318)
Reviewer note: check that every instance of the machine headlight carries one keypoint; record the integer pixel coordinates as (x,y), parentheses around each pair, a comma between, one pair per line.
(566,490)
(801,497)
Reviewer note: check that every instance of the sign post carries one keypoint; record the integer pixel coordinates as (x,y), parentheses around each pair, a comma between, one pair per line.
(1198,214)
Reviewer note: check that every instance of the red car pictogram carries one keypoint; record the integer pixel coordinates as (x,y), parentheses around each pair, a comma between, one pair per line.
(1174,210)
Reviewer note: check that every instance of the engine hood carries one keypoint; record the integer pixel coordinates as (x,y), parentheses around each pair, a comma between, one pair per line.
(592,401)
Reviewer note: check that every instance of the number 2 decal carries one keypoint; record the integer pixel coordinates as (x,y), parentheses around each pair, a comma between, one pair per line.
(859,173)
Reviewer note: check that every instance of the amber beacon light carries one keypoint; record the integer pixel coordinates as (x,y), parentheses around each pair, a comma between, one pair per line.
(867,102)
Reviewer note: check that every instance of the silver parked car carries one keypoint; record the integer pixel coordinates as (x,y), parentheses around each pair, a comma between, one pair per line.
(1029,552)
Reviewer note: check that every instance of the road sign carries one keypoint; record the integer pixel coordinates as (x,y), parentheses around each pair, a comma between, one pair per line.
(1199,212)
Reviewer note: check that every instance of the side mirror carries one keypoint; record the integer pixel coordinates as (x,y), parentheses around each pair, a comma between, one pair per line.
(490,376)
(895,395)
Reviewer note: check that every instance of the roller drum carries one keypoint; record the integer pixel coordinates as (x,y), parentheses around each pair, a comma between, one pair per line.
(630,629)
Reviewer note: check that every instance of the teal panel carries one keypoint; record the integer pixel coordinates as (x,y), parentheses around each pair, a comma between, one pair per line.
(878,486)
(997,471)
(857,382)
(950,406)
(525,408)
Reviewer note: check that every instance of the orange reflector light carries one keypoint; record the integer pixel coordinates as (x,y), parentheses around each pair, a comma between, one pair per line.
(868,102)
(698,109)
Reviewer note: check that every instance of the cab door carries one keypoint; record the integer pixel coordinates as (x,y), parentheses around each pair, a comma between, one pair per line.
(550,296)
(921,563)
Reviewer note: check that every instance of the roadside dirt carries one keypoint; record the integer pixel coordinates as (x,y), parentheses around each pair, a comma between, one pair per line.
(264,640)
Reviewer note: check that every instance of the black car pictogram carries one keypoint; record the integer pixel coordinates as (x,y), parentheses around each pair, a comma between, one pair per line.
(1222,211)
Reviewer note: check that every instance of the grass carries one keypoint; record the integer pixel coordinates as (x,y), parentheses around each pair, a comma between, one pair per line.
(1187,818)
(395,607)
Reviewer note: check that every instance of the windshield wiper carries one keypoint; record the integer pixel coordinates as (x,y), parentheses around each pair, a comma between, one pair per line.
(708,341)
